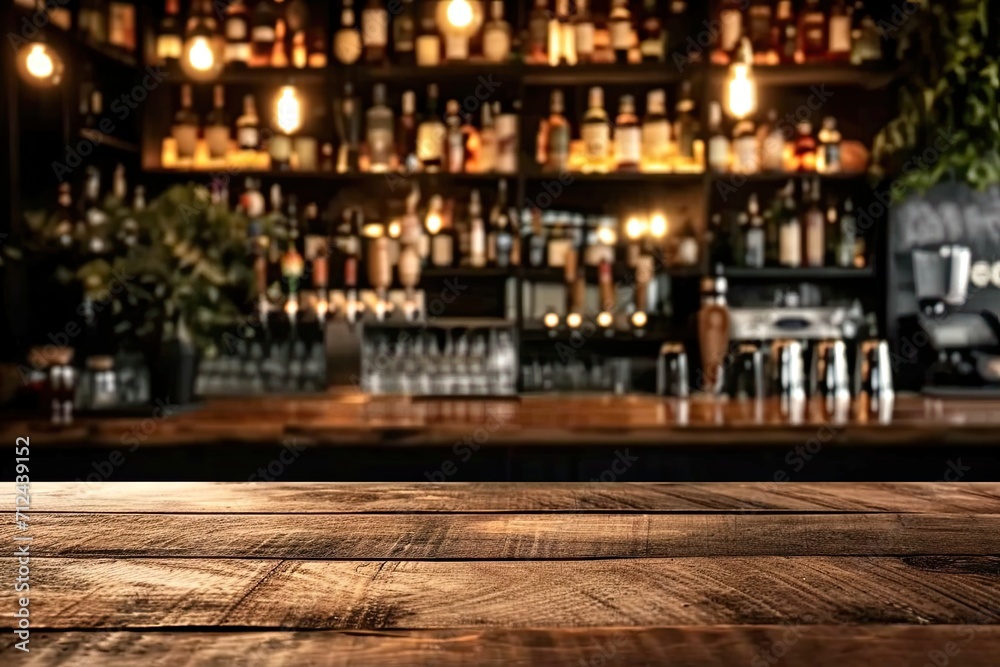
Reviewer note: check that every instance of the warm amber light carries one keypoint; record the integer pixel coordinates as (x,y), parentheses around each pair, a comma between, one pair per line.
(741,89)
(639,319)
(551,320)
(395,229)
(460,13)
(634,228)
(40,65)
(606,236)
(372,230)
(605,319)
(658,226)
(288,110)
(574,320)
(433,223)
(200,55)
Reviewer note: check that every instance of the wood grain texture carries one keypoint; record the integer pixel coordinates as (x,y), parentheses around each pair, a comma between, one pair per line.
(294,594)
(339,420)
(509,536)
(322,498)
(722,646)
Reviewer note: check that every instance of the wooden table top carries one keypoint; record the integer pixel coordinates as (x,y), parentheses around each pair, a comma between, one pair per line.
(562,575)
(639,420)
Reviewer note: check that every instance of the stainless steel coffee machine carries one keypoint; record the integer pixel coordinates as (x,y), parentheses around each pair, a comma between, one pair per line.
(965,343)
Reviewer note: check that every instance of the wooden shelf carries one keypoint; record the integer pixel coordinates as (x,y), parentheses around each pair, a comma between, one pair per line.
(803,273)
(783,177)
(257,75)
(351,177)
(869,75)
(107,53)
(100,139)
(676,178)
(605,74)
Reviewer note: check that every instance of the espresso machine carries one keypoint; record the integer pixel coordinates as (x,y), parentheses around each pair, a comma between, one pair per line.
(956,340)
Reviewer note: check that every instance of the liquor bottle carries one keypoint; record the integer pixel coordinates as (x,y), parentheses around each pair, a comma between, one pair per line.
(248,126)
(813,226)
(262,36)
(628,136)
(317,49)
(746,148)
(813,30)
(719,250)
(349,121)
(760,20)
(832,234)
(651,46)
(476,256)
(279,53)
(347,40)
(738,238)
(454,139)
(279,236)
(217,126)
(756,240)
(790,231)
(686,126)
(866,42)
(92,106)
(292,263)
(185,126)
(536,241)
(496,35)
(718,143)
(538,30)
(406,134)
(431,134)
(442,240)
(121,24)
(828,155)
(655,132)
(731,28)
(375,32)
(620,29)
(379,124)
(596,133)
(236,27)
(169,40)
(687,240)
(297,16)
(583,33)
(677,30)
(557,145)
(561,36)
(840,32)
(805,148)
(772,231)
(848,254)
(92,21)
(785,34)
(487,161)
(507,139)
(404,34)
(502,240)
(772,149)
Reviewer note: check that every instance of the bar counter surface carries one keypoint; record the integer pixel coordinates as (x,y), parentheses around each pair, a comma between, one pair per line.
(560,575)
(550,419)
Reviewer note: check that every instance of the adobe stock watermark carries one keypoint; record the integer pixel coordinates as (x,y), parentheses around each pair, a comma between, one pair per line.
(773,652)
(621,464)
(290,452)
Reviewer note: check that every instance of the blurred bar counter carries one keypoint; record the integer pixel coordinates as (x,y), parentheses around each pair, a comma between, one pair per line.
(355,437)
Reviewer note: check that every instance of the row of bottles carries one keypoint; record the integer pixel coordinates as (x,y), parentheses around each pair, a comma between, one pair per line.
(772,146)
(789,232)
(106,22)
(627,143)
(789,32)
(373,140)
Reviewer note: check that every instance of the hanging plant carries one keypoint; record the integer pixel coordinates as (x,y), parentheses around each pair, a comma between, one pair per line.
(948,125)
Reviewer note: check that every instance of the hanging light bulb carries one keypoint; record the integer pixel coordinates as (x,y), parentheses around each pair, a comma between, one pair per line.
(605,319)
(202,56)
(288,110)
(458,20)
(639,319)
(40,65)
(741,89)
(574,320)
(635,228)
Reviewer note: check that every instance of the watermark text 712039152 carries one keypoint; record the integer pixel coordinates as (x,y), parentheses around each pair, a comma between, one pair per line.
(22,541)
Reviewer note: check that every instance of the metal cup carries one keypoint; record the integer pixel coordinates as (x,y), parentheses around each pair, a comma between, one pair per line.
(830,377)
(787,370)
(875,373)
(672,371)
(745,375)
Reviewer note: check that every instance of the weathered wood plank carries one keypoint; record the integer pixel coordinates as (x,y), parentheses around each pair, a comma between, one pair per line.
(509,536)
(724,646)
(178,593)
(306,497)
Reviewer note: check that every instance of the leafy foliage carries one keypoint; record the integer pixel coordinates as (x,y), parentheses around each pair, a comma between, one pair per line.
(948,126)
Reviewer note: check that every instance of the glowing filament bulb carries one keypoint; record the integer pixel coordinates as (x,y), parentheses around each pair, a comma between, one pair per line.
(39,62)
(459,13)
(742,91)
(289,110)
(200,55)
(658,225)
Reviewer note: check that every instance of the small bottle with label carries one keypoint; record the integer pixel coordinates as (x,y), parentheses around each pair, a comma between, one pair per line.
(628,136)
(596,133)
(620,29)
(746,148)
(583,28)
(718,142)
(655,132)
(347,40)
(496,35)
(557,153)
(828,157)
(375,32)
